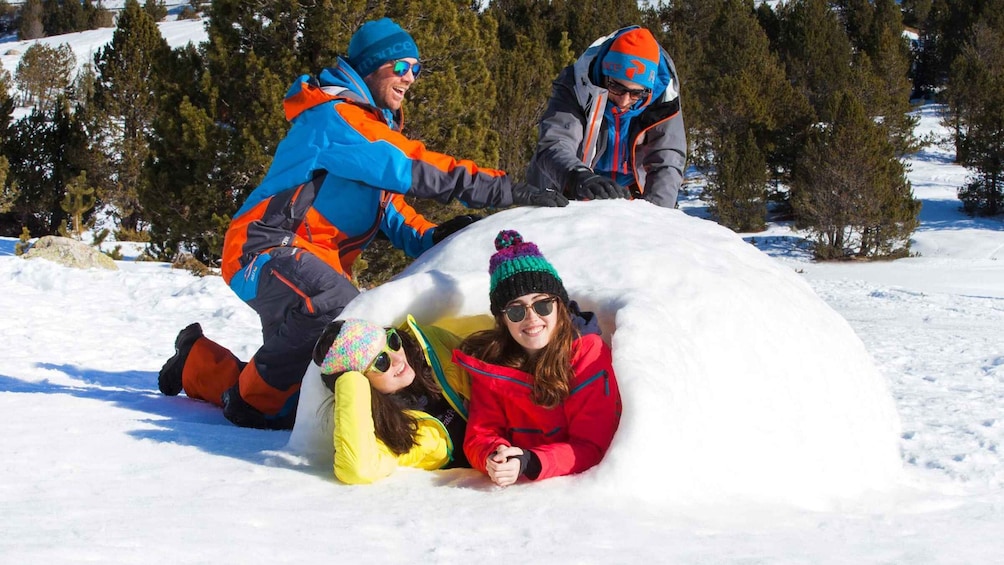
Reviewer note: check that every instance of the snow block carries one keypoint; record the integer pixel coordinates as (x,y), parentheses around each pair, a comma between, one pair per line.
(737,380)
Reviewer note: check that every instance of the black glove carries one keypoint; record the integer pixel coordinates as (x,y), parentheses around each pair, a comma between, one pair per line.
(525,194)
(452,226)
(587,185)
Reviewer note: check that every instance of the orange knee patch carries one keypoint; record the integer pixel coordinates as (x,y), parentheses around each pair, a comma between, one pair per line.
(263,396)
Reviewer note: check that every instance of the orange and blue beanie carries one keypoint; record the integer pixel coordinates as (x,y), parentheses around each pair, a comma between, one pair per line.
(518,268)
(356,346)
(379,41)
(633,57)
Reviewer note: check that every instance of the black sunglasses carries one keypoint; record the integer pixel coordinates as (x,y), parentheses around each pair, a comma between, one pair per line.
(618,89)
(382,362)
(401,68)
(543,307)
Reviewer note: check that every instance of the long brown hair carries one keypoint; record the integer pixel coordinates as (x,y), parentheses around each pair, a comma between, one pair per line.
(551,368)
(391,424)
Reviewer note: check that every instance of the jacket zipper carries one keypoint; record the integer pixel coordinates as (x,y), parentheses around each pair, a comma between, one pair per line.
(293,287)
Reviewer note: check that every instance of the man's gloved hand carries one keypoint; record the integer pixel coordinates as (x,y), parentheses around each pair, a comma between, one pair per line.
(587,185)
(524,194)
(452,226)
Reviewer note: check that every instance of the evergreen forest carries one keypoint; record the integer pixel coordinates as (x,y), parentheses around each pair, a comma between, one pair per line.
(795,110)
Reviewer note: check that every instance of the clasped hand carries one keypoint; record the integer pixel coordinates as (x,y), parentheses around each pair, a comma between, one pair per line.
(503,465)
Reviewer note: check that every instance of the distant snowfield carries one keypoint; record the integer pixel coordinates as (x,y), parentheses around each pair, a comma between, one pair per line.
(98,466)
(86,44)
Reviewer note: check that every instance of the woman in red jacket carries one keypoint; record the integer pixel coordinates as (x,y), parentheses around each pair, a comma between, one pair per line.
(544,399)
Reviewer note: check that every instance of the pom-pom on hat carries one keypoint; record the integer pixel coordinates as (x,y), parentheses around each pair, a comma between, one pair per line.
(356,346)
(379,41)
(518,268)
(633,57)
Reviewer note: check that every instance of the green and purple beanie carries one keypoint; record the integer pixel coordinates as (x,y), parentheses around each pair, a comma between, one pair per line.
(518,268)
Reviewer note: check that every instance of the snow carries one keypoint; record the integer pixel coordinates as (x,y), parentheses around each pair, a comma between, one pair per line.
(776,410)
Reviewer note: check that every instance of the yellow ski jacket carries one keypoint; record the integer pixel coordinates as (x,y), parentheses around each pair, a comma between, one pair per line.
(361,458)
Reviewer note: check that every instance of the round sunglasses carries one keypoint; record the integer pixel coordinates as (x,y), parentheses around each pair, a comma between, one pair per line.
(543,307)
(402,67)
(381,363)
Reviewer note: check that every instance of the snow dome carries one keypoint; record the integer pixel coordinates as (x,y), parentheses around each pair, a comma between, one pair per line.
(736,379)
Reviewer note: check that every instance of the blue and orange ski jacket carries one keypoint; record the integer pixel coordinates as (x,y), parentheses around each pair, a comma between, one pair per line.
(341,174)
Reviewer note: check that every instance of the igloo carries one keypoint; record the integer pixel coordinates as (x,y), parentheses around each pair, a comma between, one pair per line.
(737,379)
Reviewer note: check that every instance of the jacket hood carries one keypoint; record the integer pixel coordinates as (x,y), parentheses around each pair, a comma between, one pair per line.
(339,81)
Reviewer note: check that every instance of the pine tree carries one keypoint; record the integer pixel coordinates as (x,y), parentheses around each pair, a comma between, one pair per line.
(587,21)
(850,189)
(73,15)
(8,16)
(31,21)
(748,111)
(127,67)
(96,15)
(684,29)
(738,187)
(327,27)
(883,66)
(77,202)
(250,61)
(22,244)
(219,120)
(8,193)
(927,70)
(858,16)
(44,73)
(156,9)
(6,106)
(46,150)
(59,17)
(524,67)
(915,11)
(182,197)
(976,104)
(816,52)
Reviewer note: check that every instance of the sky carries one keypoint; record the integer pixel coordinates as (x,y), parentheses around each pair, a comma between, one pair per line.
(776,410)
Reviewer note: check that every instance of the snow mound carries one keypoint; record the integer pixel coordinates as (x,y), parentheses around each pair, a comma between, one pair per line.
(737,380)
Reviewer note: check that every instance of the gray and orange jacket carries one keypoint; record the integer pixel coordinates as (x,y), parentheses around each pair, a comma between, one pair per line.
(341,174)
(576,130)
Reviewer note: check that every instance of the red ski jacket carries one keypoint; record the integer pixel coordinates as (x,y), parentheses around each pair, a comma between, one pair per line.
(567,439)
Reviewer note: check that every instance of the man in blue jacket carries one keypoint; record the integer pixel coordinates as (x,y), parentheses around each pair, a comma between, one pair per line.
(337,179)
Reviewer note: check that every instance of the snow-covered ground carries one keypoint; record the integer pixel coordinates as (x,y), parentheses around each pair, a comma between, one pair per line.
(97,466)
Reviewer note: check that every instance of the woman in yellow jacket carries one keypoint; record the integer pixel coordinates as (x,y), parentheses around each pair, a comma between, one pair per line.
(398,398)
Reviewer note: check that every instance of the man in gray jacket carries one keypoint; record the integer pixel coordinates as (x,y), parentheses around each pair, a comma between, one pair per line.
(613,127)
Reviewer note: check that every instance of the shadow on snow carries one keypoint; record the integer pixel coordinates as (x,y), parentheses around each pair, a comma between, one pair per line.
(178,420)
